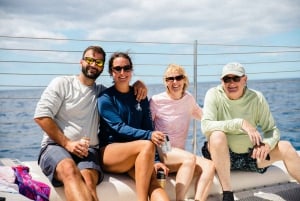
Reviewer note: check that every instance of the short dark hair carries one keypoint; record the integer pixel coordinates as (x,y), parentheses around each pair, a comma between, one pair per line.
(96,49)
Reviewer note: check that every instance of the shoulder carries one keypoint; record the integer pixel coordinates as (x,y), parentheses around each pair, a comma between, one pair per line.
(61,83)
(215,90)
(188,94)
(63,79)
(158,97)
(254,94)
(106,92)
(100,88)
(253,91)
(188,97)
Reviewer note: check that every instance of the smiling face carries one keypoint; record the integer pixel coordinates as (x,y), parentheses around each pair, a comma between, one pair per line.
(90,66)
(234,86)
(176,81)
(121,71)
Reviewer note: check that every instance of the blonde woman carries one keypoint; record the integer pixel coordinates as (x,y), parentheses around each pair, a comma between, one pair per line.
(172,112)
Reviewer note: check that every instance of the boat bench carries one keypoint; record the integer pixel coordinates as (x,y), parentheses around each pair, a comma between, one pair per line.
(122,187)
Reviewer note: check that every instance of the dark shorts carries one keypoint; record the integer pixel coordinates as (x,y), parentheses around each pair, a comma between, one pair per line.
(238,161)
(52,154)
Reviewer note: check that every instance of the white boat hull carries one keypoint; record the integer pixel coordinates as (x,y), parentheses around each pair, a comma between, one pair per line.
(121,187)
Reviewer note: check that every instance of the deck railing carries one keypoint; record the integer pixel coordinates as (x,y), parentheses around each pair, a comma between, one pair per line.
(31,62)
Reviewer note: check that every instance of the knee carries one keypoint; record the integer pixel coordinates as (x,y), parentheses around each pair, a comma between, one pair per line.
(286,148)
(147,147)
(285,144)
(193,159)
(190,160)
(206,167)
(217,139)
(67,169)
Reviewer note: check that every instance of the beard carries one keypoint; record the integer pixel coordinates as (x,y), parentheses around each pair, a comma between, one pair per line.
(87,73)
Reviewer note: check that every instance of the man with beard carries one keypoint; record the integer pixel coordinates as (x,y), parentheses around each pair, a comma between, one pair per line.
(67,113)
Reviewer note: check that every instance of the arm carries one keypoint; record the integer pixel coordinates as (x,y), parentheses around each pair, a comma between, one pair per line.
(269,129)
(140,90)
(157,137)
(48,107)
(53,131)
(263,118)
(267,123)
(115,116)
(197,111)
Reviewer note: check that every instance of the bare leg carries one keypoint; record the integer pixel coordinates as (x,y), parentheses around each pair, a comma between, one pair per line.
(74,185)
(182,162)
(123,157)
(156,192)
(220,156)
(91,179)
(286,152)
(206,171)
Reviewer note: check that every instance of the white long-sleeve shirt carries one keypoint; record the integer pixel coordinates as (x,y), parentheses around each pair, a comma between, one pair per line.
(73,106)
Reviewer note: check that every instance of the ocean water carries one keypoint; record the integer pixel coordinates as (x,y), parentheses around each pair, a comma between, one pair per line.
(20,136)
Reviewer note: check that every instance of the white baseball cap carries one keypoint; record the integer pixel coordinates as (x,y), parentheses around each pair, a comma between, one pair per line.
(234,69)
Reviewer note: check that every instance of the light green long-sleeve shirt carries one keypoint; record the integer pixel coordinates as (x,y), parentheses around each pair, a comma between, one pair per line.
(222,114)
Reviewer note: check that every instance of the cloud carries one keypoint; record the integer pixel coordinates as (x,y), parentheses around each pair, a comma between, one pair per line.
(163,20)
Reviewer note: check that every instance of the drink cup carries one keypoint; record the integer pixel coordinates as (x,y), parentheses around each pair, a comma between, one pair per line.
(85,141)
(161,178)
(166,146)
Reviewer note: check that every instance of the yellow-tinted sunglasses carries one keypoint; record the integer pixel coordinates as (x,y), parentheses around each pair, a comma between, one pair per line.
(98,62)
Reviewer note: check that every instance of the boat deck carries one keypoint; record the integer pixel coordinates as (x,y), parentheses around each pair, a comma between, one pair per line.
(289,191)
(275,185)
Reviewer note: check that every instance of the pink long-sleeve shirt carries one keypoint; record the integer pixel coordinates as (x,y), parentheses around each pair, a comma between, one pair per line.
(173,116)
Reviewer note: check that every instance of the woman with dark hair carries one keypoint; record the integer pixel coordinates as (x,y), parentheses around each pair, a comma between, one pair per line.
(127,138)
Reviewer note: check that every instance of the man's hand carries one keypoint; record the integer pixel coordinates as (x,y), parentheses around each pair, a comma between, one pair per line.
(140,90)
(77,148)
(253,134)
(261,151)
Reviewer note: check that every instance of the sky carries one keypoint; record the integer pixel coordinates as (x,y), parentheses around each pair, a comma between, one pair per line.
(174,27)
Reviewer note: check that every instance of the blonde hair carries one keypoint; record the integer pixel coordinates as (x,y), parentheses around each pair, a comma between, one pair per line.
(175,68)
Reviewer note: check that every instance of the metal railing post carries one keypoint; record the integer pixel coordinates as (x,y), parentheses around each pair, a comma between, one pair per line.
(195,95)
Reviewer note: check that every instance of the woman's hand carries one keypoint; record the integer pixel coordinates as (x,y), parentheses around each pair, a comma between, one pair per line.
(162,166)
(158,137)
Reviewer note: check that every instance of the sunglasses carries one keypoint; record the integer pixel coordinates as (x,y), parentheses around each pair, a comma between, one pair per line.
(177,78)
(229,79)
(98,62)
(126,68)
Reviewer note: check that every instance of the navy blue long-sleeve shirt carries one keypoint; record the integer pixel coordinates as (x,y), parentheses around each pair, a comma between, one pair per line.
(122,118)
